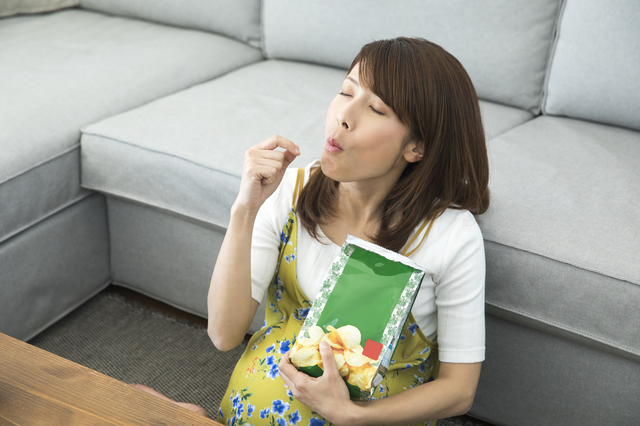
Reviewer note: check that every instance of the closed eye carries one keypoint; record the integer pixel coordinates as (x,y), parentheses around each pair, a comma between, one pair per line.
(372,108)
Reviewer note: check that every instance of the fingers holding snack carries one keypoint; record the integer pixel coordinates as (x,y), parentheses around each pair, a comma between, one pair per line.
(327,395)
(263,169)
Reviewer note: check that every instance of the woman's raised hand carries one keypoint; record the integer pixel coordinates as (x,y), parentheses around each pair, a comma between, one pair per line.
(263,170)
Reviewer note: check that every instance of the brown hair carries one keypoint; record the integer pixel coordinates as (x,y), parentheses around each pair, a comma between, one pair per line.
(431,93)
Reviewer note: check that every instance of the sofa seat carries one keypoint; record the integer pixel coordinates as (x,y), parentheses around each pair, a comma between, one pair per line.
(62,70)
(562,236)
(193,158)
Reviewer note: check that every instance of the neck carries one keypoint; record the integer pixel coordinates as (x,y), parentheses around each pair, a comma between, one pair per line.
(361,201)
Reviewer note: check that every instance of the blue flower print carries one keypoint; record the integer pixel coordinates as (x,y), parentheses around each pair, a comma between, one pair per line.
(279,407)
(287,258)
(301,314)
(289,393)
(281,422)
(278,295)
(236,401)
(264,324)
(283,236)
(270,360)
(421,368)
(402,337)
(314,421)
(273,372)
(239,410)
(295,418)
(268,331)
(220,413)
(264,413)
(284,346)
(233,421)
(271,348)
(413,327)
(381,389)
(250,409)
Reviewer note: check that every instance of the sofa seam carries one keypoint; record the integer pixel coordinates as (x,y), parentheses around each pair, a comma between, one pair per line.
(565,328)
(263,44)
(566,262)
(148,294)
(159,153)
(41,163)
(41,219)
(550,59)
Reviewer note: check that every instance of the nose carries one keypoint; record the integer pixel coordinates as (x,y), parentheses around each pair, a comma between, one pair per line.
(342,120)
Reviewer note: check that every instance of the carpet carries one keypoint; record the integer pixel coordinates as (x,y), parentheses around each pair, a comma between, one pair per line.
(136,344)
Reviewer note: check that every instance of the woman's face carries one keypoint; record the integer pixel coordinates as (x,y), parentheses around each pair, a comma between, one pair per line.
(363,136)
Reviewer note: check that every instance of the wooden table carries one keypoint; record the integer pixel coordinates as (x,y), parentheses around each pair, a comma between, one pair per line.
(40,388)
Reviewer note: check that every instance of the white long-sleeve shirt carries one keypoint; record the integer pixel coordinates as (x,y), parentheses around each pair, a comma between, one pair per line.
(449,307)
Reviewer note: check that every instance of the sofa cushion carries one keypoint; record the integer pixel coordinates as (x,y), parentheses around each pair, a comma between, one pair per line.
(503,44)
(239,19)
(594,69)
(191,144)
(562,232)
(63,70)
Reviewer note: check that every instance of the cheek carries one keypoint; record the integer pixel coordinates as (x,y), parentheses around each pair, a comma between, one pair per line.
(331,114)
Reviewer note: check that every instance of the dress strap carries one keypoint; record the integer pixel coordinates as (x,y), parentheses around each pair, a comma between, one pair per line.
(298,188)
(424,237)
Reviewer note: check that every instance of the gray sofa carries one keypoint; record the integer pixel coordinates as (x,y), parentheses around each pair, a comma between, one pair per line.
(123,126)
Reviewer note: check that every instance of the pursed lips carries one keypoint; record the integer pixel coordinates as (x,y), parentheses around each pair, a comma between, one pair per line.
(332,145)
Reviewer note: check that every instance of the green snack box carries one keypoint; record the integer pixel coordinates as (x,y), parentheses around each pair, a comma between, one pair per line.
(360,311)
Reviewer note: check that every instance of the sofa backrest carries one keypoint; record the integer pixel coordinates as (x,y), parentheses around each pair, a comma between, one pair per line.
(503,44)
(239,19)
(595,67)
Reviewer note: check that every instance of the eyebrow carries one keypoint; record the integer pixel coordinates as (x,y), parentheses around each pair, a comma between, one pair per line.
(354,80)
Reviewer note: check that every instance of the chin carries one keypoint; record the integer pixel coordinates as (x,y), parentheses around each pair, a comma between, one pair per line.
(329,168)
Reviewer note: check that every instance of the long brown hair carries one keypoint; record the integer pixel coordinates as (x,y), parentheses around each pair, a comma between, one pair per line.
(431,93)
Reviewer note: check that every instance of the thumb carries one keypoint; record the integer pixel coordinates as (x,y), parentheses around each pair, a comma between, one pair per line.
(289,157)
(328,360)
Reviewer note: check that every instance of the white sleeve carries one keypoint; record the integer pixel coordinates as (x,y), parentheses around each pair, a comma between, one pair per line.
(460,295)
(265,242)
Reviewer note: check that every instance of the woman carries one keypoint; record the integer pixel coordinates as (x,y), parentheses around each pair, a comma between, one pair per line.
(404,165)
(404,147)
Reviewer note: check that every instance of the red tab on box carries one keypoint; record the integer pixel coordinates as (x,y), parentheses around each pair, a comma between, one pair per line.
(372,349)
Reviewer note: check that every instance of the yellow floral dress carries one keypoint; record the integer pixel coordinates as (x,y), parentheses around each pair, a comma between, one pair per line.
(256,395)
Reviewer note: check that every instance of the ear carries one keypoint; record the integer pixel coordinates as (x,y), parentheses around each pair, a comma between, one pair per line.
(414,151)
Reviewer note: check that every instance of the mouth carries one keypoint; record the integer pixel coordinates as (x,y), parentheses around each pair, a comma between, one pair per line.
(332,145)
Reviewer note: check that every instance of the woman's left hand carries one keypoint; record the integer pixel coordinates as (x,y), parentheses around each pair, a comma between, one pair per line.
(327,395)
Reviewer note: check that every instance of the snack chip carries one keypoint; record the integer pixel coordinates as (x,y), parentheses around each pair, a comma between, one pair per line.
(362,271)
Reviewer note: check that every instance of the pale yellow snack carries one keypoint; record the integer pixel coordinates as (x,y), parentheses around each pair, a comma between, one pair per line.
(344,370)
(350,336)
(306,357)
(333,339)
(339,358)
(362,376)
(315,335)
(355,359)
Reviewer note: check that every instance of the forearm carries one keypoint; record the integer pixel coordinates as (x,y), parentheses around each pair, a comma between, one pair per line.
(438,399)
(229,301)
